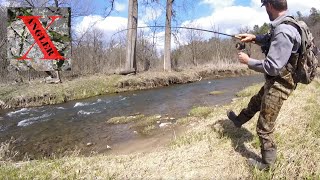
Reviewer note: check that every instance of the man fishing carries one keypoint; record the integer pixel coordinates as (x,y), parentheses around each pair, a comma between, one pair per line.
(282,45)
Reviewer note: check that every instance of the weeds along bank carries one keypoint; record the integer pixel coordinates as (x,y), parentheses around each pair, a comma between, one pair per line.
(38,94)
(211,148)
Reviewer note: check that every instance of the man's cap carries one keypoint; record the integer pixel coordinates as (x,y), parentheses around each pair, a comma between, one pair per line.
(264,2)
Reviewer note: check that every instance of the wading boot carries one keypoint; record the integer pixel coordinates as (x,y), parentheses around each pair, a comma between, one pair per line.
(234,118)
(259,165)
(268,159)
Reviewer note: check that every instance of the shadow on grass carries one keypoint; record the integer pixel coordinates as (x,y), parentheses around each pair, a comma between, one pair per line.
(238,136)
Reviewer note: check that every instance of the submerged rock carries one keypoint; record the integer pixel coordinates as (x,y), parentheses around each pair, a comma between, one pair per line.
(162,125)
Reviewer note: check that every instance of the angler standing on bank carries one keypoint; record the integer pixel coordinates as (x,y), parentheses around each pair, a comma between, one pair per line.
(282,48)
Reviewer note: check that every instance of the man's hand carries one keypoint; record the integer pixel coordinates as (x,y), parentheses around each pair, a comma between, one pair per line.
(243,57)
(246,37)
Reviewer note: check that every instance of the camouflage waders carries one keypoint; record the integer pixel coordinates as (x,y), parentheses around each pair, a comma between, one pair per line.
(268,101)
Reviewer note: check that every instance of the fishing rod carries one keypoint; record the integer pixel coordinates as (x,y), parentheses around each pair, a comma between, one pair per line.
(240,45)
(181,27)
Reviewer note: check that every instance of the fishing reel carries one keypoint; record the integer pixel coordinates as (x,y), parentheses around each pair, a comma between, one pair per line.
(241,46)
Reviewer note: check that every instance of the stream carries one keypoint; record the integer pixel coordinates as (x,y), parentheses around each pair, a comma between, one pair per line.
(42,131)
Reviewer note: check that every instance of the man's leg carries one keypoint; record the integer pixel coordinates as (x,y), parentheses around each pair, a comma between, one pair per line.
(247,113)
(271,104)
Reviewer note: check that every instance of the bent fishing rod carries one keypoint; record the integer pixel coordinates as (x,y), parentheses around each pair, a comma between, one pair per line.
(180,27)
(240,45)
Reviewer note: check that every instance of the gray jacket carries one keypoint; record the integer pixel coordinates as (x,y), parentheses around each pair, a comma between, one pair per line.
(285,40)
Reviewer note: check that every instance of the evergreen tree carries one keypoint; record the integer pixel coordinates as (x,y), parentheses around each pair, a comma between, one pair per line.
(314,16)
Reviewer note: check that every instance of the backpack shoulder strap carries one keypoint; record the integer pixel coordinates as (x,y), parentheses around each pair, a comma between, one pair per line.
(290,20)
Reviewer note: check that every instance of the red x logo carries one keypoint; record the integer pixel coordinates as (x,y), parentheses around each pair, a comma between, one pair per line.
(41,37)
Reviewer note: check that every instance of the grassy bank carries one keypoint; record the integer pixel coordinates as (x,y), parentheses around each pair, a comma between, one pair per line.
(38,93)
(211,148)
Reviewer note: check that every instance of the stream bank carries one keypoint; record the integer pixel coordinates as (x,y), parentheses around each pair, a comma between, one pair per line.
(95,123)
(37,93)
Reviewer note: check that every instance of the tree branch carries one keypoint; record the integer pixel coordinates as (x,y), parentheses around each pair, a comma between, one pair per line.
(30,3)
(106,15)
(111,8)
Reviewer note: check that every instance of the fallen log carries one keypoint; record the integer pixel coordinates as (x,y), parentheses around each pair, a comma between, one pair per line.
(127,72)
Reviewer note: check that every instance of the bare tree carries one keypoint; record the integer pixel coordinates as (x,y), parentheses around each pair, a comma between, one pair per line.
(131,63)
(167,45)
(194,39)
(146,52)
(3,56)
(2,28)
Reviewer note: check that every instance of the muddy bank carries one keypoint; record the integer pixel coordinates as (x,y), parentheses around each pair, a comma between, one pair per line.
(38,93)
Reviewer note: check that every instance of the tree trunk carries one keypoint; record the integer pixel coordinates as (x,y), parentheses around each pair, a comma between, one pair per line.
(56,3)
(57,72)
(131,63)
(167,45)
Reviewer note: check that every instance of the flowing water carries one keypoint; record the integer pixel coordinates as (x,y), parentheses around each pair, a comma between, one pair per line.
(41,131)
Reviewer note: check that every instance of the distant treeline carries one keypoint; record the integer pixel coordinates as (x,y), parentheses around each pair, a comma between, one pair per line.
(92,55)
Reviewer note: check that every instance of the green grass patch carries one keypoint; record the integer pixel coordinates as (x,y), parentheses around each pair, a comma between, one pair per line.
(125,119)
(147,130)
(186,120)
(143,124)
(279,139)
(147,121)
(216,92)
(250,91)
(256,142)
(201,111)
(262,175)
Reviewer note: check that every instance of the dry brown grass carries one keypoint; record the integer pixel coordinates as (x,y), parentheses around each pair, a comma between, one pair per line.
(210,149)
(7,151)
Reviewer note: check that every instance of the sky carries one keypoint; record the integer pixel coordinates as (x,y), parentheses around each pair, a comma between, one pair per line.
(227,16)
